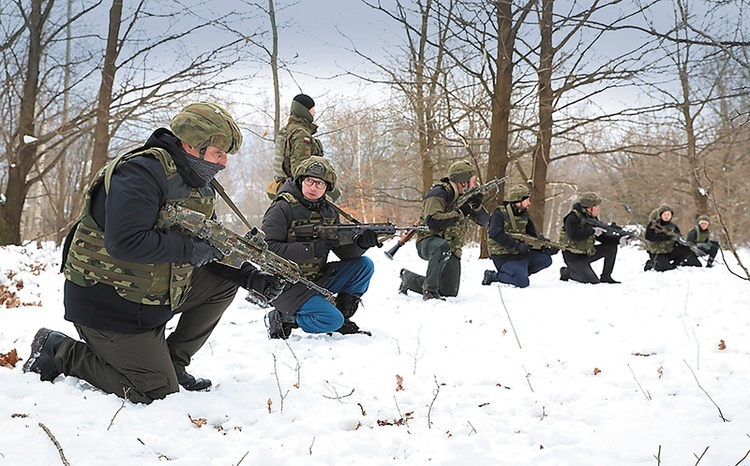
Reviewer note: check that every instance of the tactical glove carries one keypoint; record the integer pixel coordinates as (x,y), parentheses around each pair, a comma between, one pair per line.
(367,239)
(203,253)
(522,248)
(471,204)
(549,250)
(263,283)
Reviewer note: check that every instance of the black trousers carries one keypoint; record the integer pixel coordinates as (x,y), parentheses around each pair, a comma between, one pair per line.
(671,260)
(579,265)
(143,367)
(443,274)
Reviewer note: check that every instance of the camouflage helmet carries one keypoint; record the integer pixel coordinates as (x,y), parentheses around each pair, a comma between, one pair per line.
(664,208)
(318,167)
(589,199)
(461,171)
(703,218)
(204,124)
(517,193)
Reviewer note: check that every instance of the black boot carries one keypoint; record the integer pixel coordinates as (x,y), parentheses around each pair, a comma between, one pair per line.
(278,327)
(564,276)
(489,277)
(348,304)
(608,279)
(403,288)
(42,358)
(190,383)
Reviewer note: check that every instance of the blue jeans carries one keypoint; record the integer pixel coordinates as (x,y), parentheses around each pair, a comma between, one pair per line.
(517,272)
(352,277)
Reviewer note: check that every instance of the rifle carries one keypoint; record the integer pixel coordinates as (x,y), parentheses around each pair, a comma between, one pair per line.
(679,239)
(401,241)
(539,243)
(483,189)
(345,233)
(236,249)
(611,228)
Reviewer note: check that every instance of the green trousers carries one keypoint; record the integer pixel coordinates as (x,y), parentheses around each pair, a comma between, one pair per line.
(443,269)
(143,367)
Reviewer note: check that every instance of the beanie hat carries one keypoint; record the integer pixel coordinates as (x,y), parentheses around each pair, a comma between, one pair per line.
(305,100)
(703,218)
(590,199)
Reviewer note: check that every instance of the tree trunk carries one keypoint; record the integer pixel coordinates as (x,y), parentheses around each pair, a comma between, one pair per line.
(541,156)
(102,134)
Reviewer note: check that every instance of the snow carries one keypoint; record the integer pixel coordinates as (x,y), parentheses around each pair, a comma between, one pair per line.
(555,374)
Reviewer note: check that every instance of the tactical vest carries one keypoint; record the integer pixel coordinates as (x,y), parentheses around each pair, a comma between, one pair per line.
(301,215)
(662,247)
(512,224)
(585,244)
(701,236)
(455,234)
(88,262)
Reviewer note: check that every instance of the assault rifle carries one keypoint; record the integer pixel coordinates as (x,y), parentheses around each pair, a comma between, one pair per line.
(237,249)
(401,241)
(679,239)
(483,189)
(539,243)
(609,228)
(345,233)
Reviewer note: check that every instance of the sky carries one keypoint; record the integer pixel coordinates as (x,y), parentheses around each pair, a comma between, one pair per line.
(559,373)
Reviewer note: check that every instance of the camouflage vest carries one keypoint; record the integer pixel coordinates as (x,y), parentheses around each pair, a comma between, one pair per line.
(282,150)
(89,263)
(301,215)
(701,236)
(512,224)
(455,234)
(661,247)
(586,244)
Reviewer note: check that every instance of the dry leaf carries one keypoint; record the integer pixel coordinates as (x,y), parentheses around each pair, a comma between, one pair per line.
(660,371)
(596,370)
(399,381)
(198,422)
(9,359)
(722,345)
(269,405)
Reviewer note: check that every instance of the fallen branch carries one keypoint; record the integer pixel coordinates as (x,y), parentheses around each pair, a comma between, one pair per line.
(743,458)
(243,457)
(700,457)
(125,392)
(721,415)
(528,374)
(57,445)
(337,397)
(311,445)
(282,395)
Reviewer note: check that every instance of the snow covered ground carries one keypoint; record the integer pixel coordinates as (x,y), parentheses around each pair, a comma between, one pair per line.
(554,374)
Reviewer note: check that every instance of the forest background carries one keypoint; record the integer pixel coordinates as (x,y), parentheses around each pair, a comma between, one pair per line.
(642,101)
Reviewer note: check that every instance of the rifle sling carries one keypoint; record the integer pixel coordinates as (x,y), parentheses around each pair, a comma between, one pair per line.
(222,192)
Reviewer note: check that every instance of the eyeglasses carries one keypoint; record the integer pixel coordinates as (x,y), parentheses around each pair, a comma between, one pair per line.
(320,184)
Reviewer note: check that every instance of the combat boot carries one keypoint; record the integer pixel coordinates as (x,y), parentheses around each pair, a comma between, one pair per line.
(564,275)
(489,277)
(192,384)
(44,346)
(427,295)
(348,304)
(403,288)
(278,328)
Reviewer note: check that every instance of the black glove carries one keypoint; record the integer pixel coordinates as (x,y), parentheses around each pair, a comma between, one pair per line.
(322,246)
(471,204)
(549,250)
(263,283)
(522,248)
(368,239)
(203,253)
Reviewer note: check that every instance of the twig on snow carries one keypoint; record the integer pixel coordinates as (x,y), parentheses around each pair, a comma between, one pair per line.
(645,393)
(278,385)
(125,392)
(743,458)
(311,445)
(57,445)
(429,410)
(721,415)
(337,397)
(509,319)
(243,457)
(528,381)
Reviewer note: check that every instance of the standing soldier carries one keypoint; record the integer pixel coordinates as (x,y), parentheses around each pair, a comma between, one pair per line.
(447,225)
(295,143)
(125,279)
(701,237)
(580,235)
(513,259)
(664,252)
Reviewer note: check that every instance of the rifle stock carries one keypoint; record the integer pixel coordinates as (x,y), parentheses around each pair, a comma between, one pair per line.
(235,248)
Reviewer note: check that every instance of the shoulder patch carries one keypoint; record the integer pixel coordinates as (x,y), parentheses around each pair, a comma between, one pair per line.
(307,140)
